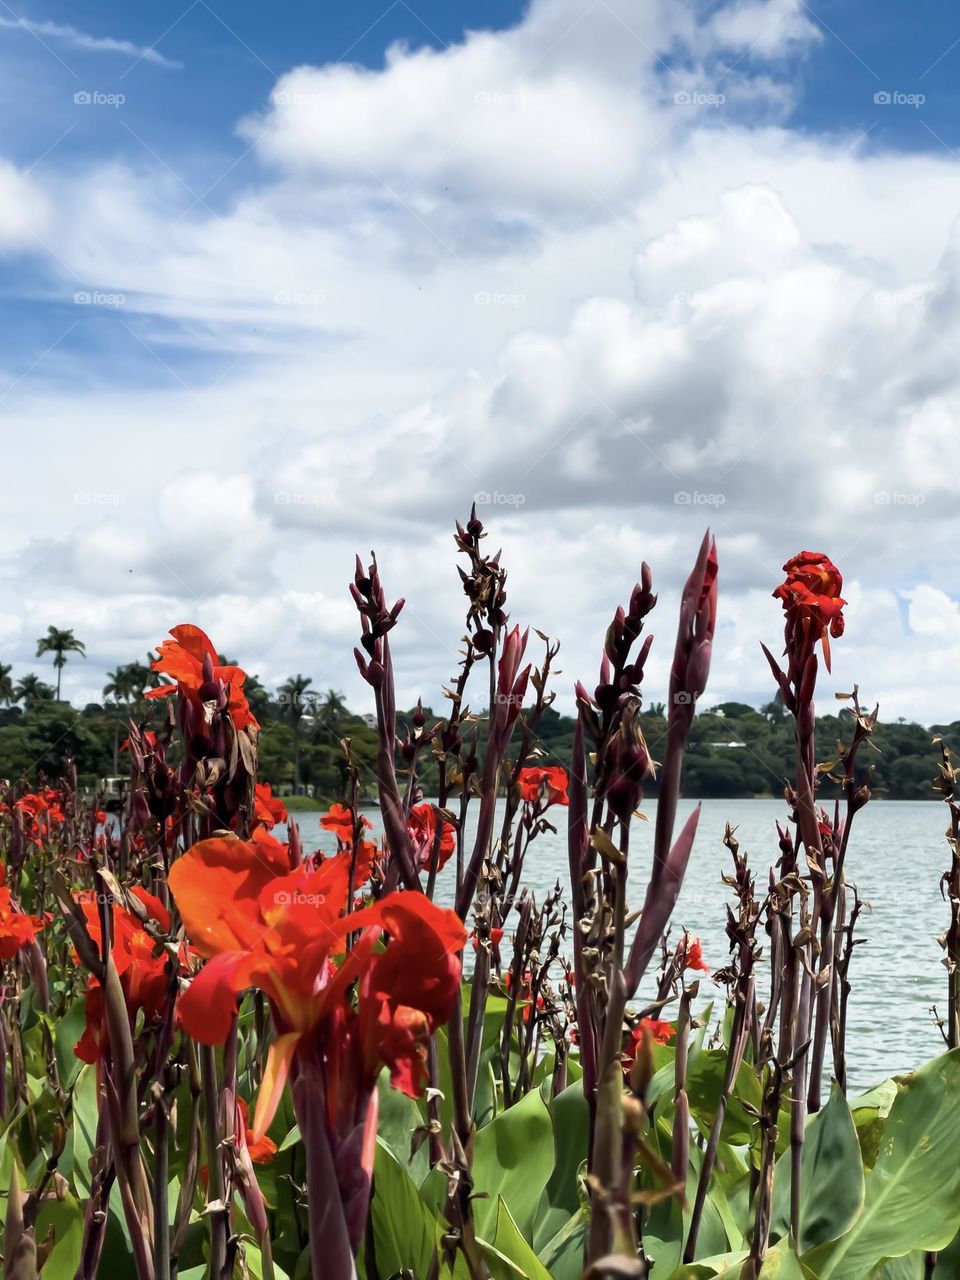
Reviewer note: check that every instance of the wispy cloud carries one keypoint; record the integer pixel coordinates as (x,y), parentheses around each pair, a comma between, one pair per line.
(71,38)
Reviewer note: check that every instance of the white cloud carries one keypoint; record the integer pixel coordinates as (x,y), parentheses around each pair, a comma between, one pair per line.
(23,208)
(59,33)
(423,299)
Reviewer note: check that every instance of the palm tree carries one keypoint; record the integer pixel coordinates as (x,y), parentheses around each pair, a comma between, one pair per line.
(6,685)
(60,642)
(123,687)
(291,695)
(332,709)
(32,691)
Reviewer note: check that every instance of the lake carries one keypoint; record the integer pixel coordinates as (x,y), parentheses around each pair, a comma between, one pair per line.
(896,856)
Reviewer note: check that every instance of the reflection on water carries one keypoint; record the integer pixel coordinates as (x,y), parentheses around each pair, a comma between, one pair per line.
(896,856)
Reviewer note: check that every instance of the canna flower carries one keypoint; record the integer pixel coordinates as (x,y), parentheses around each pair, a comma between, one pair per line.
(549,782)
(285,932)
(811,599)
(339,819)
(690,951)
(261,1150)
(142,965)
(422,829)
(268,809)
(495,938)
(191,660)
(661,1033)
(17,928)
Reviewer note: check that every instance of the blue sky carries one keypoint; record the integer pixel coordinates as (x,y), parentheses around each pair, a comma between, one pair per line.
(278,283)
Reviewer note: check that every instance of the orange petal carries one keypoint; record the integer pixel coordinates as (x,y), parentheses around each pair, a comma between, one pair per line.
(275,1076)
(208,1005)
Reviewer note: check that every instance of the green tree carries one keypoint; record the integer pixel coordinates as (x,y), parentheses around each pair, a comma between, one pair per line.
(6,685)
(293,700)
(123,688)
(32,691)
(60,642)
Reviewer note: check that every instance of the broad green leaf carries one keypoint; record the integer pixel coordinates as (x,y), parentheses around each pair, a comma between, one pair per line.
(511,1257)
(909,1267)
(402,1226)
(870,1111)
(704,1086)
(513,1157)
(782,1263)
(570,1119)
(65,1219)
(727,1265)
(912,1193)
(563,1256)
(397,1119)
(831,1178)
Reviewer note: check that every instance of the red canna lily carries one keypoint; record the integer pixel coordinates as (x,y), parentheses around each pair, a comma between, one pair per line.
(191,660)
(662,1033)
(549,782)
(422,828)
(262,1149)
(691,951)
(17,928)
(285,932)
(339,820)
(811,598)
(142,967)
(268,809)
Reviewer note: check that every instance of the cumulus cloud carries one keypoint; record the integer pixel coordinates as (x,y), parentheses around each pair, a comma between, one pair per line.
(23,208)
(547,269)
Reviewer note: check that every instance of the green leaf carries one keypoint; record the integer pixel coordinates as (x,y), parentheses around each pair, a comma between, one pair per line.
(563,1256)
(513,1157)
(403,1227)
(511,1257)
(831,1178)
(397,1119)
(782,1263)
(570,1118)
(912,1199)
(909,1267)
(65,1219)
(728,1265)
(870,1111)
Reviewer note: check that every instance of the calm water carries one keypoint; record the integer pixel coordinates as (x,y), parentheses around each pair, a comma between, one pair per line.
(896,856)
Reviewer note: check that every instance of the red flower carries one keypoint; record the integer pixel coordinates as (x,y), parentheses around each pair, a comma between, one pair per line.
(184,659)
(17,929)
(268,809)
(550,782)
(261,1150)
(691,951)
(422,828)
(496,937)
(662,1033)
(339,819)
(812,601)
(142,966)
(286,934)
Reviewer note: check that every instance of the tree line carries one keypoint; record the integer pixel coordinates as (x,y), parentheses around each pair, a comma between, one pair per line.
(735,750)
